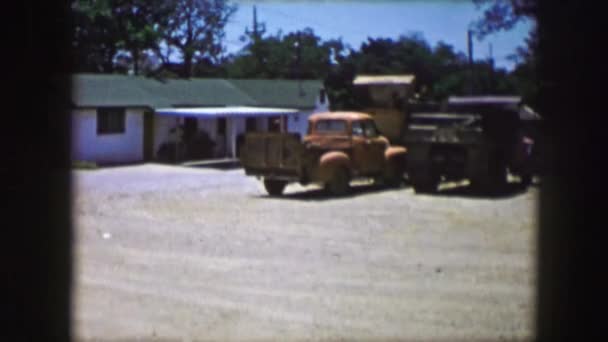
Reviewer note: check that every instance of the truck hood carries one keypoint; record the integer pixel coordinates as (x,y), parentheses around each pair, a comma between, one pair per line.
(332,142)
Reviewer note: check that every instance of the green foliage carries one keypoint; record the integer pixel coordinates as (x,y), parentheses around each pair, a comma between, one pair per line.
(119,35)
(196,29)
(84,165)
(501,15)
(134,30)
(298,55)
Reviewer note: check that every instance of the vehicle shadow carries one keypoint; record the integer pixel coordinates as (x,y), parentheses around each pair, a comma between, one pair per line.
(322,195)
(220,165)
(507,191)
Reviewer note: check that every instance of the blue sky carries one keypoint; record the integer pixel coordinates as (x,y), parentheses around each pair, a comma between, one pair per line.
(356,20)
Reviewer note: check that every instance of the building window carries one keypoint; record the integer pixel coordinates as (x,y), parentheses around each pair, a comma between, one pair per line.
(110,120)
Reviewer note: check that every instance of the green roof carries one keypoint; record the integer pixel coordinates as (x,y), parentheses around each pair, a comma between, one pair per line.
(95,90)
(196,92)
(107,90)
(281,93)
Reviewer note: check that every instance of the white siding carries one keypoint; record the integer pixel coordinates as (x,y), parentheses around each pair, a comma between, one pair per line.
(125,147)
(297,123)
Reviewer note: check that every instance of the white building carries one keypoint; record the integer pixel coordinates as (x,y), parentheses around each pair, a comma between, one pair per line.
(126,119)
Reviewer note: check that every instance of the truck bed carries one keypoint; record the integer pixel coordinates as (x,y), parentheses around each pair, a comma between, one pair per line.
(272,155)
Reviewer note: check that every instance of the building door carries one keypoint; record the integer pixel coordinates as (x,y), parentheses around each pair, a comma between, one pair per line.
(148,135)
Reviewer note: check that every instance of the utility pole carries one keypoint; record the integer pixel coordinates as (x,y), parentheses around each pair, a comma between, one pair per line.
(491,57)
(470,48)
(255,24)
(491,62)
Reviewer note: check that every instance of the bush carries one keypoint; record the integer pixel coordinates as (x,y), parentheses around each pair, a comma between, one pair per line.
(200,146)
(169,152)
(84,165)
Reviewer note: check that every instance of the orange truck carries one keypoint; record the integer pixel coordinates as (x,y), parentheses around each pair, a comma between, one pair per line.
(338,147)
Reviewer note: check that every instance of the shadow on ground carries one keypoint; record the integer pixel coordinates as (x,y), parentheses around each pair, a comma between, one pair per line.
(507,191)
(221,165)
(322,195)
(464,191)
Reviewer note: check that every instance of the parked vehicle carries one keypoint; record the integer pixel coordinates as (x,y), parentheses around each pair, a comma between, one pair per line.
(475,138)
(338,147)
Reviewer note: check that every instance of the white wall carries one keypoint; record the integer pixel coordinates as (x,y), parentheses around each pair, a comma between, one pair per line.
(298,123)
(125,147)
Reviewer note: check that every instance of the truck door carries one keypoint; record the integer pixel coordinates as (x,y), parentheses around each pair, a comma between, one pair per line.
(377,145)
(367,156)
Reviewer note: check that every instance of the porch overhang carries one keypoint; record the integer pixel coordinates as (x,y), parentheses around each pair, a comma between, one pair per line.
(226,112)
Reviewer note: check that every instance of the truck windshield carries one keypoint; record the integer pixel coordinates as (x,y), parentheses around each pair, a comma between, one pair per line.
(370,129)
(330,126)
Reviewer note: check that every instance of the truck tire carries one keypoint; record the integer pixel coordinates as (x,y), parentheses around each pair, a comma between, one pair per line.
(494,181)
(393,176)
(274,187)
(424,184)
(339,185)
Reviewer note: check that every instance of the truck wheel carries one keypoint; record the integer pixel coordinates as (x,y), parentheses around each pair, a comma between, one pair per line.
(494,181)
(393,176)
(424,184)
(274,187)
(339,184)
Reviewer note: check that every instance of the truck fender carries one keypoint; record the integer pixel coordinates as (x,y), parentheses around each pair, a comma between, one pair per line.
(395,152)
(330,161)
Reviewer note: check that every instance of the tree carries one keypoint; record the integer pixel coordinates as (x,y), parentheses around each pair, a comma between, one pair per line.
(297,55)
(501,15)
(94,36)
(196,29)
(140,26)
(104,29)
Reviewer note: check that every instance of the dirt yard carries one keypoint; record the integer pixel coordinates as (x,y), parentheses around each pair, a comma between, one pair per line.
(204,254)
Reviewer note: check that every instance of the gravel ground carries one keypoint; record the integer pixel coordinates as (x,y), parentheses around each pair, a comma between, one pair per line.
(182,253)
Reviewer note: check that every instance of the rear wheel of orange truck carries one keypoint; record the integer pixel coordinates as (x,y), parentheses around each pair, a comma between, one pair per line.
(274,187)
(339,185)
